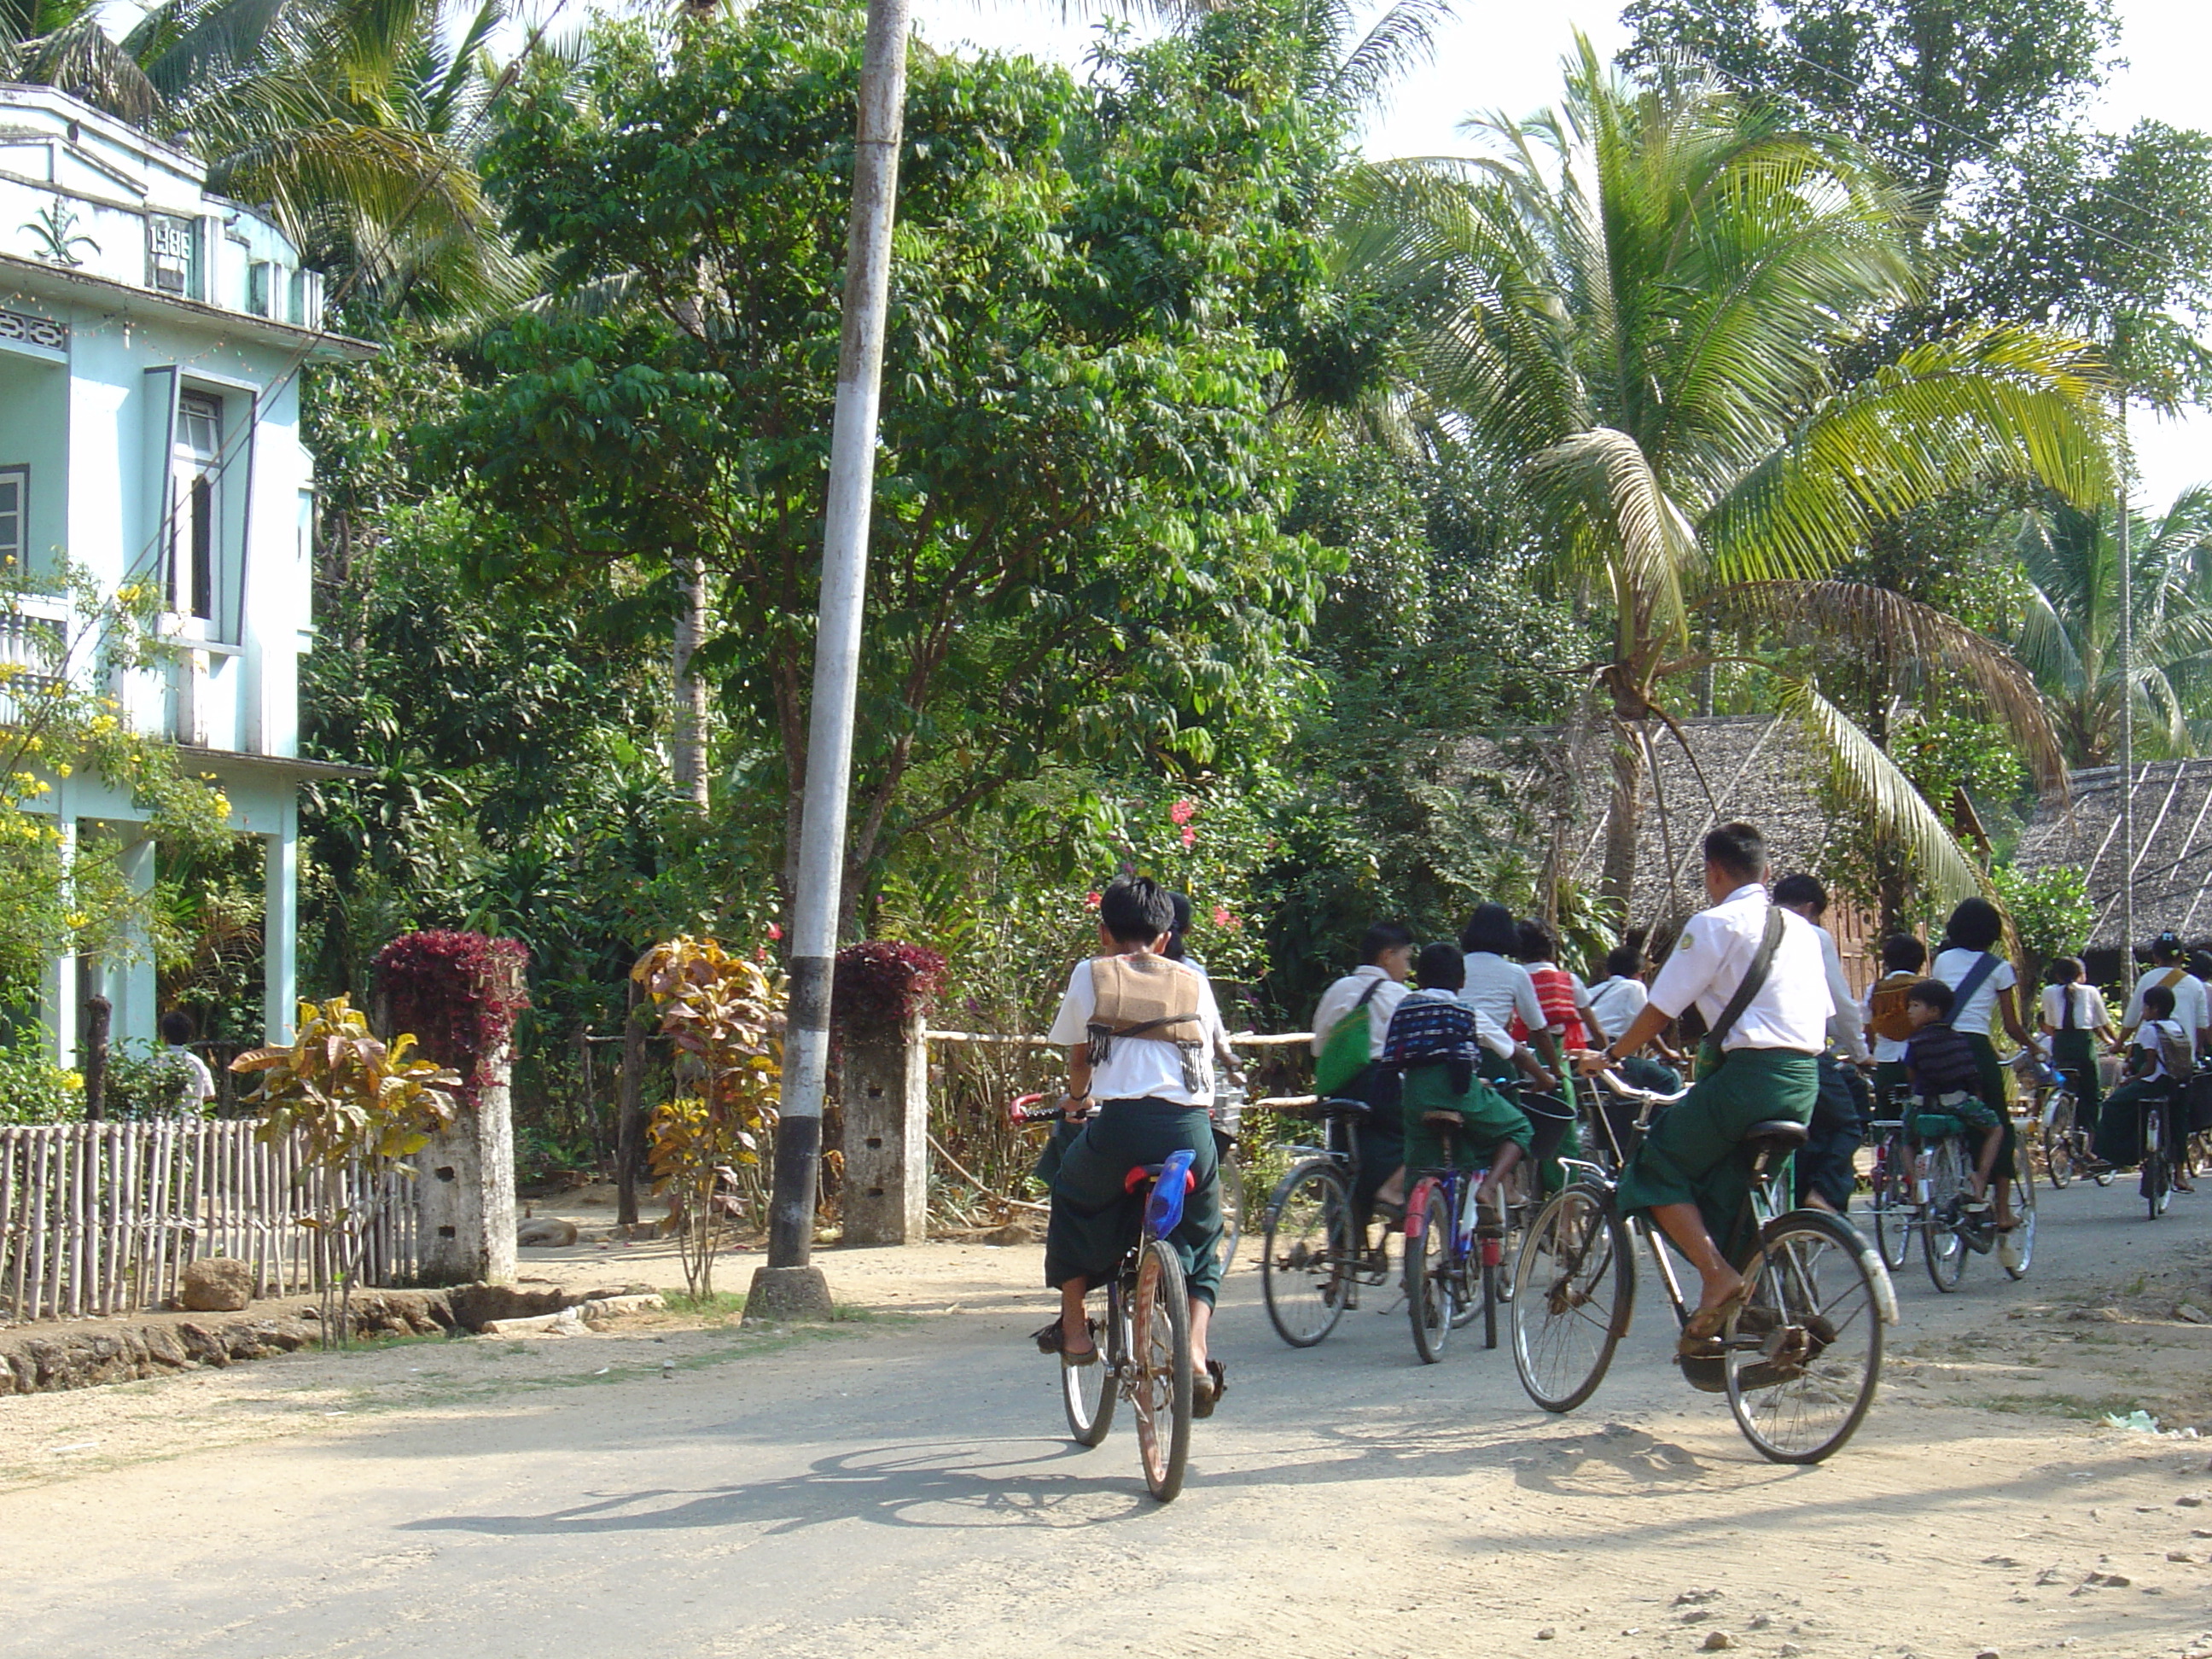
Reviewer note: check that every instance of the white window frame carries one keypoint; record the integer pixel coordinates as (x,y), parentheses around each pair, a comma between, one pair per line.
(194,588)
(18,552)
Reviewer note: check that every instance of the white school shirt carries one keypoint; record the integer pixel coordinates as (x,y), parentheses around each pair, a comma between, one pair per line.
(1616,1002)
(1342,997)
(1502,989)
(1140,1068)
(1846,1029)
(2189,1009)
(2147,1039)
(2089,1009)
(1715,952)
(1974,1014)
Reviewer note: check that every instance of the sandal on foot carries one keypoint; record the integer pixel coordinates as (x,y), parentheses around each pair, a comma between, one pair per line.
(1208,1387)
(1707,1323)
(1053,1339)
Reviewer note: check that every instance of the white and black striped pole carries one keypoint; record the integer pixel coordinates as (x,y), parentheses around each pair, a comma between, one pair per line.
(788,1283)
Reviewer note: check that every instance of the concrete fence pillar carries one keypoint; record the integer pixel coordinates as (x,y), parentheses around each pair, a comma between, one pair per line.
(465,1186)
(884,1092)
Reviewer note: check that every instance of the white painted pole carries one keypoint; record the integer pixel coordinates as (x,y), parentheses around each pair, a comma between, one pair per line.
(837,636)
(2127,717)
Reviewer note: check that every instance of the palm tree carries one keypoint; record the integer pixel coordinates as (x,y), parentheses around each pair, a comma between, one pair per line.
(2070,634)
(1635,302)
(355,122)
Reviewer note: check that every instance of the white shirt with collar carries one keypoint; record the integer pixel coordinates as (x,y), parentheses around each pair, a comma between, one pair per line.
(1845,1030)
(1342,997)
(2189,999)
(1790,1011)
(1141,1068)
(1616,1002)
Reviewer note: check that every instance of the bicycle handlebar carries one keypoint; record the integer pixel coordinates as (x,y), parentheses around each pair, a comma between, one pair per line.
(1628,1092)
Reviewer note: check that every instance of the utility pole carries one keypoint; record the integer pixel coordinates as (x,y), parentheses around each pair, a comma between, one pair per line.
(2127,716)
(788,1283)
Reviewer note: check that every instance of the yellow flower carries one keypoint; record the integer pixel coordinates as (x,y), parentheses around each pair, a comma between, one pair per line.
(63,768)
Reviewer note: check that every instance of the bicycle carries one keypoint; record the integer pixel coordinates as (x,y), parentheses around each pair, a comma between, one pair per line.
(2156,1186)
(1799,1362)
(1891,1202)
(1142,1330)
(1313,1256)
(1229,1123)
(2066,1141)
(1447,1248)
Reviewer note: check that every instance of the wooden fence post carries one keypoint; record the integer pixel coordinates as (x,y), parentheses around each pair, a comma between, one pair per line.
(629,1121)
(99,1013)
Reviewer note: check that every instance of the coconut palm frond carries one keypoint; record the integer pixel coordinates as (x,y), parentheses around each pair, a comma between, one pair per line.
(2008,401)
(81,59)
(1858,613)
(1602,478)
(1864,774)
(1401,40)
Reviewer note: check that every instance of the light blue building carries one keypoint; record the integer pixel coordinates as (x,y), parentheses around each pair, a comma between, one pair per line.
(151,340)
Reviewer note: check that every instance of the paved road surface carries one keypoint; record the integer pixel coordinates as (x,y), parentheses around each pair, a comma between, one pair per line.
(904,1489)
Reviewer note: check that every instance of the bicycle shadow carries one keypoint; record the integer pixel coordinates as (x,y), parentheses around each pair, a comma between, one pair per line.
(931,1484)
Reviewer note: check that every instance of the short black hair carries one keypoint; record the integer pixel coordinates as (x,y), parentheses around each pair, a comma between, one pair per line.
(1936,994)
(2158,1001)
(1975,925)
(1442,967)
(1491,927)
(2200,964)
(1383,936)
(2166,944)
(1136,910)
(1738,848)
(1901,953)
(1535,943)
(2064,970)
(1624,963)
(176,1027)
(1802,888)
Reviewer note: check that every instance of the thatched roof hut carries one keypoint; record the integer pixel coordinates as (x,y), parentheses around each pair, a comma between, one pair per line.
(2172,863)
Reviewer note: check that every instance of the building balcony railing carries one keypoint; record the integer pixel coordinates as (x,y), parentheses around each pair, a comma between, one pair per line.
(33,663)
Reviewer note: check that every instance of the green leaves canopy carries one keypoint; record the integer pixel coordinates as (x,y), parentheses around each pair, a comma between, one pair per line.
(1075,547)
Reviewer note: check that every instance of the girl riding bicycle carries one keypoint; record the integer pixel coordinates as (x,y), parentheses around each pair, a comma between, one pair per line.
(1435,1041)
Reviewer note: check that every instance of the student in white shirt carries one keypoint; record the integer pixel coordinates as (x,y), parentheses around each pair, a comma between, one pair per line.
(2153,1081)
(1373,991)
(1689,1172)
(193,1083)
(1826,1168)
(1620,996)
(1971,965)
(1140,1032)
(2169,967)
(2074,1019)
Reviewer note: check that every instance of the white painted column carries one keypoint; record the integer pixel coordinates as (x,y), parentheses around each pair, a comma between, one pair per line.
(280,924)
(131,986)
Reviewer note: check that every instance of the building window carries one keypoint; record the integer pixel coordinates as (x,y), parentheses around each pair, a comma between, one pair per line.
(14,509)
(172,254)
(196,511)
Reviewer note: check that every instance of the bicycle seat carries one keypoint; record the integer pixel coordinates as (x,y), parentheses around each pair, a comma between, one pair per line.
(1774,1138)
(1449,1120)
(1141,1173)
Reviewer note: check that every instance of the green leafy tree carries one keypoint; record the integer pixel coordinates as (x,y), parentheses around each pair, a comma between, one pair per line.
(1638,302)
(1076,546)
(2068,631)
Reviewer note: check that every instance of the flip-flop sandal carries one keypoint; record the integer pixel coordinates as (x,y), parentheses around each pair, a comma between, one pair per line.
(1708,1324)
(1206,1391)
(1051,1338)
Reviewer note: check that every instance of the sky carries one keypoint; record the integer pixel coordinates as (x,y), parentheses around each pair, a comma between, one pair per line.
(1504,54)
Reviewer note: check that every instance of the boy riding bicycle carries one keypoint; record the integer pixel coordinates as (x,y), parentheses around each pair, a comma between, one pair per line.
(2158,1063)
(1435,1040)
(1945,1073)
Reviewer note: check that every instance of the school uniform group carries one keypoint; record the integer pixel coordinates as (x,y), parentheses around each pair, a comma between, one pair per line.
(1467,1052)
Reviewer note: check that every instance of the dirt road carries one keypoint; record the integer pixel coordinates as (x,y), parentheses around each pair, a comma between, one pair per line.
(899,1483)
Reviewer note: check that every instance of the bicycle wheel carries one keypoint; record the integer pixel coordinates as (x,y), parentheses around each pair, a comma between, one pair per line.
(1233,1209)
(2016,1250)
(2157,1186)
(1087,1391)
(1308,1255)
(1430,1304)
(1574,1290)
(2058,1142)
(1939,1240)
(1159,1362)
(1467,1261)
(1802,1359)
(1893,1206)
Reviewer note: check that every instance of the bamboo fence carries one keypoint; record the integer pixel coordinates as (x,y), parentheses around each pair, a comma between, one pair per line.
(99,1218)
